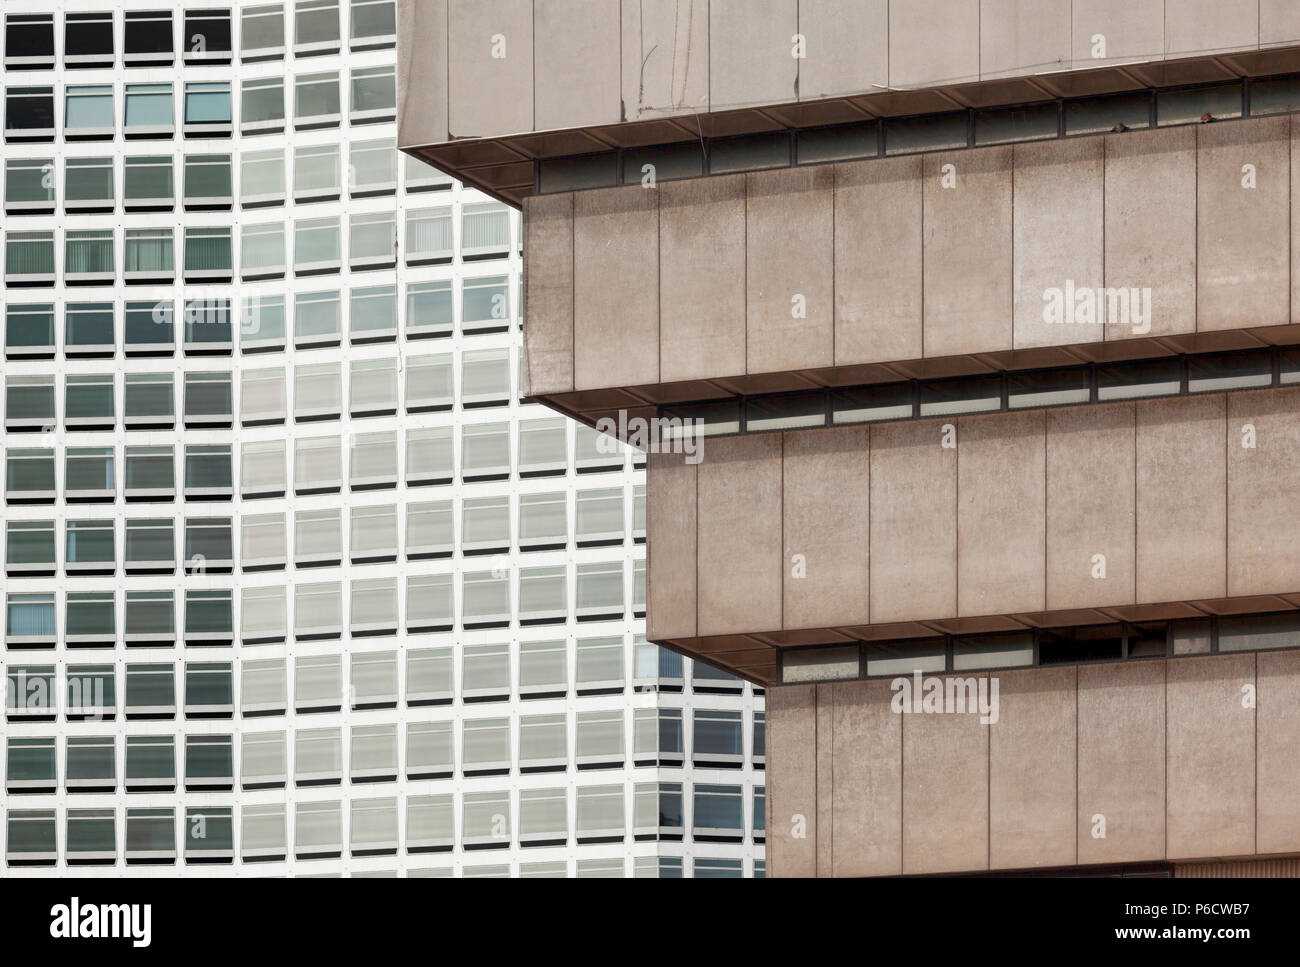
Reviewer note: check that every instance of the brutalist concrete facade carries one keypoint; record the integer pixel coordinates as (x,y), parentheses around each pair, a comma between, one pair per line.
(1059,238)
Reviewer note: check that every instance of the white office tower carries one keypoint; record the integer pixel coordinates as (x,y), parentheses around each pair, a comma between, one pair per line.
(295,583)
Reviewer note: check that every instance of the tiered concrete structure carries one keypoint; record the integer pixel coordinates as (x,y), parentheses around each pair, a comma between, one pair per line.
(988,311)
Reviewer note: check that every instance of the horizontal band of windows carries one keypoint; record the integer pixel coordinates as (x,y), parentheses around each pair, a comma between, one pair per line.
(946,131)
(1090,383)
(1121,641)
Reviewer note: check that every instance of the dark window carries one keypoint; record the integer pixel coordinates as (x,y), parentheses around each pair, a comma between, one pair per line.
(29,41)
(1096,115)
(1210,374)
(1122,381)
(207,36)
(88,40)
(29,113)
(149,37)
(1032,122)
(1066,646)
(934,132)
(838,143)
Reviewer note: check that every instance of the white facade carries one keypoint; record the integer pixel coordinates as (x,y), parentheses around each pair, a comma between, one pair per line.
(355,470)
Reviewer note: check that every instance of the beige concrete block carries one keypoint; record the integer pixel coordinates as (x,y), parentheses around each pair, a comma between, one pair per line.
(847,47)
(421,72)
(868,766)
(945,793)
(1151,227)
(1263,527)
(548,294)
(1121,762)
(1116,31)
(1090,494)
(702,277)
(878,264)
(671,523)
(1182,522)
(1023,36)
(1001,480)
(751,58)
(1211,757)
(615,287)
(1059,209)
(1032,770)
(968,299)
(825,780)
(1243,246)
(577,63)
(934,42)
(790,269)
(665,58)
(1279,23)
(1276,772)
(826,491)
(913,522)
(740,548)
(792,781)
(1197,27)
(490,95)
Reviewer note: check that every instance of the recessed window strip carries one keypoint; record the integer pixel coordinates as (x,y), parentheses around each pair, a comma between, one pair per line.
(946,131)
(995,392)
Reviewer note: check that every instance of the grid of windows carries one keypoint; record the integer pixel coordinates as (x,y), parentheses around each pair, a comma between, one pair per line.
(279,528)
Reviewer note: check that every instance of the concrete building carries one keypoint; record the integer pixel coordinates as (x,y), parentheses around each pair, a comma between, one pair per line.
(296,583)
(982,314)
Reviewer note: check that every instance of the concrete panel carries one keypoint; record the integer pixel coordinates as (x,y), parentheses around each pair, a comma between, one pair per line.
(702,278)
(1090,493)
(1243,236)
(826,492)
(967,239)
(1295,211)
(1263,527)
(790,256)
(1121,762)
(490,95)
(670,546)
(867,807)
(1182,522)
(878,270)
(1130,30)
(1279,22)
(1018,36)
(913,522)
(847,47)
(1000,513)
(740,563)
(1278,779)
(615,287)
(577,63)
(1059,209)
(1032,770)
(421,72)
(945,793)
(1151,227)
(934,42)
(548,294)
(792,782)
(665,58)
(751,57)
(825,780)
(1210,26)
(1211,757)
